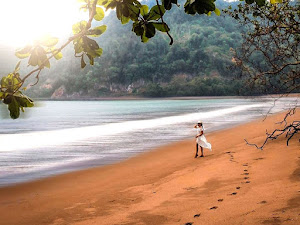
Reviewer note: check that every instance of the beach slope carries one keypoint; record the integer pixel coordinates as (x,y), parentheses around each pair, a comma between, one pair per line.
(233,184)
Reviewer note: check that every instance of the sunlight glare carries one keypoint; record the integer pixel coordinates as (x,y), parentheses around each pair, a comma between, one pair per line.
(36,140)
(25,21)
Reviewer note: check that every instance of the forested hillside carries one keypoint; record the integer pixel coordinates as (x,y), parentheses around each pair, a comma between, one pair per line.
(195,65)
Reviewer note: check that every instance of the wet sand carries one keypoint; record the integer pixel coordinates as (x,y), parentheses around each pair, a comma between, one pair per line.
(233,184)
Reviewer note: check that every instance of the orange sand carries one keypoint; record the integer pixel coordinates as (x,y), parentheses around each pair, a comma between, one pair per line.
(169,186)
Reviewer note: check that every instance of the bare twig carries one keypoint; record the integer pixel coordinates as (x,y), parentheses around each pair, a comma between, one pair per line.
(37,78)
(289,131)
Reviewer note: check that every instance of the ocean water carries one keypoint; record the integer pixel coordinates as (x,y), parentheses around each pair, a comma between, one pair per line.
(60,136)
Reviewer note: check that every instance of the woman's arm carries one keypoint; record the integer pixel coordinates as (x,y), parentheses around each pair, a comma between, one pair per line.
(199,134)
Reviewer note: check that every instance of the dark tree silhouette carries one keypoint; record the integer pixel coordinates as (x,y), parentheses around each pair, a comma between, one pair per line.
(269,56)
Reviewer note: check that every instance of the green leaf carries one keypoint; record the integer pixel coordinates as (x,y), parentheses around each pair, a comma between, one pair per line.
(99,51)
(49,41)
(163,27)
(23,100)
(144,10)
(57,55)
(154,13)
(11,83)
(91,59)
(275,1)
(46,63)
(16,102)
(110,5)
(33,60)
(144,38)
(217,12)
(78,27)
(17,67)
(83,64)
(105,3)
(38,57)
(199,6)
(124,19)
(134,12)
(101,2)
(123,12)
(8,99)
(137,29)
(14,108)
(78,45)
(150,30)
(2,95)
(97,31)
(168,3)
(99,14)
(90,46)
(24,52)
(260,2)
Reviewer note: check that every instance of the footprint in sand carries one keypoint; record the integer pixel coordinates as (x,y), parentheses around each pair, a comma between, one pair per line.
(245,170)
(220,200)
(245,164)
(233,193)
(258,159)
(188,223)
(247,182)
(245,174)
(246,178)
(214,207)
(262,202)
(238,188)
(197,215)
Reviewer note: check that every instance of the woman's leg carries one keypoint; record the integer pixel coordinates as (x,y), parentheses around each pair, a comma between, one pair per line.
(196,150)
(201,152)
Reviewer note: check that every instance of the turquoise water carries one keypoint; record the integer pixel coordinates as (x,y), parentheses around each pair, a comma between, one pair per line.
(62,136)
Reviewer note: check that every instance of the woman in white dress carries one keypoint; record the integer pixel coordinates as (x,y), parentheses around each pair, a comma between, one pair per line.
(201,140)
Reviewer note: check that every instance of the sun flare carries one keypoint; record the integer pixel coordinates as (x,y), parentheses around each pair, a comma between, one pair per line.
(25,21)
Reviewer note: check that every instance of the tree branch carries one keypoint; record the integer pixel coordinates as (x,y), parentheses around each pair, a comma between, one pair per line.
(72,38)
(162,20)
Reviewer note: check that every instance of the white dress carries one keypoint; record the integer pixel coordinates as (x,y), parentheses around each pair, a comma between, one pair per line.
(201,140)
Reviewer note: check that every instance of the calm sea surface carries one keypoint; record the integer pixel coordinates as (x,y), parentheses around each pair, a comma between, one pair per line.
(61,136)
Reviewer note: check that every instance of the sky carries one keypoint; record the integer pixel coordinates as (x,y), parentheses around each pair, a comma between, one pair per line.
(23,21)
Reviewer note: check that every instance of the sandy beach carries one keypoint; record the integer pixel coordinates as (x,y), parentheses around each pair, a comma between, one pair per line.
(233,184)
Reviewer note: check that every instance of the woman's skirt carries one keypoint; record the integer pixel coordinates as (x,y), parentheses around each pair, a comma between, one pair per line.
(203,142)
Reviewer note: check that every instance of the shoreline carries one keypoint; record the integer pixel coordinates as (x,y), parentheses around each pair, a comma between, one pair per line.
(109,162)
(168,186)
(126,98)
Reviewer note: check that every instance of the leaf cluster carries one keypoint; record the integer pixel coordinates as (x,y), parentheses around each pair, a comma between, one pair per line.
(201,7)
(84,45)
(38,52)
(11,96)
